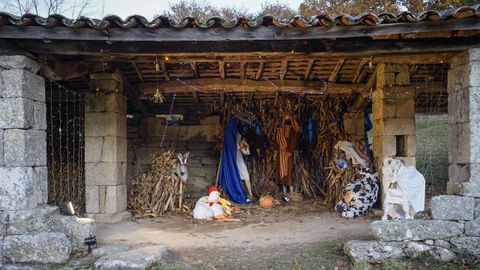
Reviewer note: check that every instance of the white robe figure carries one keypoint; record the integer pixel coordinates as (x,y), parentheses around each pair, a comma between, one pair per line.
(242,167)
(208,207)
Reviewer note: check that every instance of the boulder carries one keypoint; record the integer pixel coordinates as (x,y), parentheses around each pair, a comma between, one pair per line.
(415,249)
(359,251)
(442,254)
(44,247)
(139,258)
(451,207)
(109,250)
(466,244)
(75,228)
(476,212)
(442,243)
(400,230)
(28,221)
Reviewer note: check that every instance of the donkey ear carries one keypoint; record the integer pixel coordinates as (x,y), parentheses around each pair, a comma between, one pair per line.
(185,157)
(180,157)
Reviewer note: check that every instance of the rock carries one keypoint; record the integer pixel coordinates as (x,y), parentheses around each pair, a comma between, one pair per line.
(451,207)
(426,214)
(27,221)
(75,228)
(476,212)
(17,188)
(109,250)
(360,251)
(18,266)
(415,249)
(400,230)
(472,228)
(429,242)
(442,243)
(466,244)
(140,258)
(44,247)
(442,254)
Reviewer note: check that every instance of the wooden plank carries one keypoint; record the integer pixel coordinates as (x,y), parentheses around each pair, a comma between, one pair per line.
(308,71)
(283,69)
(194,67)
(197,99)
(336,70)
(243,70)
(221,69)
(237,85)
(358,72)
(165,71)
(237,34)
(139,72)
(261,67)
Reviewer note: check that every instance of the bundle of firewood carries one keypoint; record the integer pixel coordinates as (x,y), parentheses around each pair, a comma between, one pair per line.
(157,190)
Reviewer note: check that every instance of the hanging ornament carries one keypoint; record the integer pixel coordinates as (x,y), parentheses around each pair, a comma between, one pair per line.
(158,97)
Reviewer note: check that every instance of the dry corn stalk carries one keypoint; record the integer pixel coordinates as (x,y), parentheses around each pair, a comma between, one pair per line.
(157,190)
(337,180)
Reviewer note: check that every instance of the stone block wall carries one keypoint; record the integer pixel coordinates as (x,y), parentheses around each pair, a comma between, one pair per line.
(105,146)
(144,138)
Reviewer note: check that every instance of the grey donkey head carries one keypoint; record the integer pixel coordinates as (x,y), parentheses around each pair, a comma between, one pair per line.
(181,169)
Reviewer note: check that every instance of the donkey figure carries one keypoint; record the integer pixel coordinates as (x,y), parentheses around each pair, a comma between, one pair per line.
(180,170)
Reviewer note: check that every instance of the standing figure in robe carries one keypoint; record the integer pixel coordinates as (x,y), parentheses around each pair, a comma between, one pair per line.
(286,136)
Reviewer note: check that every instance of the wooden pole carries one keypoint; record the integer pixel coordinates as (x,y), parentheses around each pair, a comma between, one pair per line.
(180,197)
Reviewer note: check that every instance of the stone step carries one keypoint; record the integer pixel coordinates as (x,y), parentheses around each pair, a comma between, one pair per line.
(138,258)
(416,229)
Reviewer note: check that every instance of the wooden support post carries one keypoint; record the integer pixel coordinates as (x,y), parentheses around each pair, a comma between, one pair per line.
(243,70)
(165,71)
(194,67)
(139,72)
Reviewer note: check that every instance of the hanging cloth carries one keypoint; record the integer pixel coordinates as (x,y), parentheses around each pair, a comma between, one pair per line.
(287,141)
(229,178)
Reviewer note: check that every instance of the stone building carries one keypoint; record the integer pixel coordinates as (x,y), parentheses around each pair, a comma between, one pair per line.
(383,63)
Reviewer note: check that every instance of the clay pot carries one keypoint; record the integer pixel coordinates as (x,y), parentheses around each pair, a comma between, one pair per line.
(266,201)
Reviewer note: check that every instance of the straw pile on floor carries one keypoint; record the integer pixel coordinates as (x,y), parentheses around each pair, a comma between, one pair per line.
(157,190)
(66,182)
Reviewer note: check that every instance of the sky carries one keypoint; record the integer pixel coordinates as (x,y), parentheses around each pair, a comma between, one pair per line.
(148,8)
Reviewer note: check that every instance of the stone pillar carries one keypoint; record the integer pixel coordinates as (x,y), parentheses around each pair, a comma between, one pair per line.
(464,124)
(105,145)
(393,115)
(23,156)
(354,126)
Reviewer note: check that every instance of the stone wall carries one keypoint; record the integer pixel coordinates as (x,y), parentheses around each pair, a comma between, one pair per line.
(31,232)
(144,139)
(452,230)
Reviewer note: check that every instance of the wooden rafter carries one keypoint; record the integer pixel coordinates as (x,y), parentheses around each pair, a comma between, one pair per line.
(221,69)
(259,74)
(243,70)
(308,71)
(357,77)
(283,69)
(138,71)
(333,77)
(165,71)
(194,67)
(237,85)
(197,99)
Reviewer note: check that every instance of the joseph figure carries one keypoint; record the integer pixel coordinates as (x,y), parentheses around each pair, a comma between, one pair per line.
(286,135)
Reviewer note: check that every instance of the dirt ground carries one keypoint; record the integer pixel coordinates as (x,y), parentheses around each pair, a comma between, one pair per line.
(262,239)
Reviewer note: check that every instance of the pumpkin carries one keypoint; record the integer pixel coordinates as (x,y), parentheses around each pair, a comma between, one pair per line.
(266,201)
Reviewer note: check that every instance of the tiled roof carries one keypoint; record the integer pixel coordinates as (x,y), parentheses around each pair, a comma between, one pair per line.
(323,20)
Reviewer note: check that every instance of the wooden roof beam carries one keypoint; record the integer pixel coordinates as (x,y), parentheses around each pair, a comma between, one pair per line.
(232,85)
(333,77)
(194,67)
(283,69)
(221,69)
(259,74)
(357,77)
(165,71)
(139,72)
(243,70)
(308,71)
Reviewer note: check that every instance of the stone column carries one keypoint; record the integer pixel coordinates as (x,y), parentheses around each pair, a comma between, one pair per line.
(105,145)
(464,124)
(23,158)
(393,115)
(354,125)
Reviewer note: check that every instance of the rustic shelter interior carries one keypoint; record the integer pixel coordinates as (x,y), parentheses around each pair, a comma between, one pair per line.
(105,96)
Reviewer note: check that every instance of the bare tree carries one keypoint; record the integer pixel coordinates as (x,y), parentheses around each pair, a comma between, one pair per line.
(47,7)
(278,10)
(353,7)
(203,11)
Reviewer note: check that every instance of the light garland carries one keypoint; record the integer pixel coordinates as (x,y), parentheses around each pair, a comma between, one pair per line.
(166,122)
